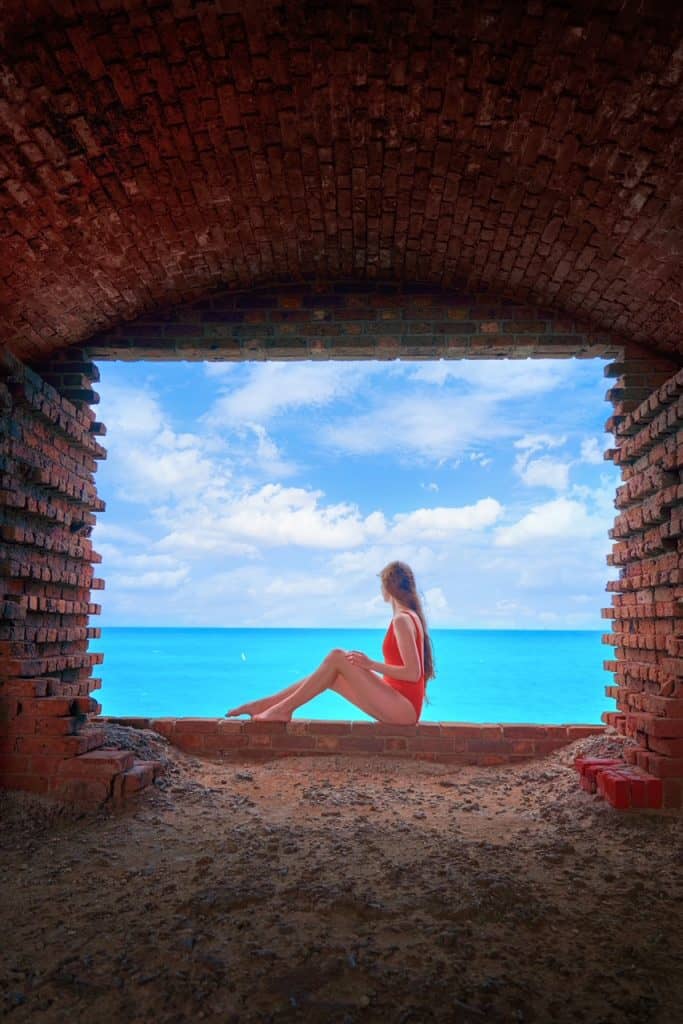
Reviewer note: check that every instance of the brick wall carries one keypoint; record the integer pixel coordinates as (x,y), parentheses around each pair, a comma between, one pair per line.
(647,599)
(48,500)
(445,742)
(351,321)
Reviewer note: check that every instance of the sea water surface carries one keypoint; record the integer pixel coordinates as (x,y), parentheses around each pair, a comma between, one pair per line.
(539,676)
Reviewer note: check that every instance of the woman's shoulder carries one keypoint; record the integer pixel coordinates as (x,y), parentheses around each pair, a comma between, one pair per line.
(405,616)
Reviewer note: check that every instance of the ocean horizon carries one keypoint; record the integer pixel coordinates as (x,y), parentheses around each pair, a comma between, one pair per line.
(483,675)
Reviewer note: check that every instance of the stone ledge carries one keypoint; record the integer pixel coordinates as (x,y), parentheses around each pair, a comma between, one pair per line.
(445,742)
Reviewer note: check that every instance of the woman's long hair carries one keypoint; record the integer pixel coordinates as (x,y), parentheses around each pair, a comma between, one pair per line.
(399,582)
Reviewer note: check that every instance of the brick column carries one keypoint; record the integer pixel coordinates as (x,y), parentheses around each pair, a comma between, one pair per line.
(48,502)
(647,599)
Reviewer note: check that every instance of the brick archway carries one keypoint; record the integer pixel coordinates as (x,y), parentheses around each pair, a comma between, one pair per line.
(153,153)
(289,180)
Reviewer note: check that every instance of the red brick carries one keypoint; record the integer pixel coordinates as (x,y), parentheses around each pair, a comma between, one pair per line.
(293,742)
(491,746)
(525,747)
(252,728)
(196,726)
(192,743)
(317,728)
(67,746)
(469,731)
(324,744)
(646,793)
(523,732)
(461,757)
(489,760)
(97,763)
(228,740)
(580,732)
(26,783)
(615,788)
(81,792)
(164,726)
(671,748)
(665,767)
(55,726)
(437,744)
(136,778)
(260,739)
(588,765)
(365,744)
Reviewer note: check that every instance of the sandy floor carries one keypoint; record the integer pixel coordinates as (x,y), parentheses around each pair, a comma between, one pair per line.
(340,890)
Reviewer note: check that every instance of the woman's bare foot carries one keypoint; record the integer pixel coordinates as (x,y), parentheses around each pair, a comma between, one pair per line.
(243,709)
(273,715)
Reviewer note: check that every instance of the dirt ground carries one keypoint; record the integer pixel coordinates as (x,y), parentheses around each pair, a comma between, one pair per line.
(340,890)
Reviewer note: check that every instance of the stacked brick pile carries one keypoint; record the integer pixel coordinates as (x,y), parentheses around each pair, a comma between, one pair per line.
(647,599)
(48,501)
(623,785)
(444,742)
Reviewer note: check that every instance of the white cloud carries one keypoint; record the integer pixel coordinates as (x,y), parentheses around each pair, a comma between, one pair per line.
(561,518)
(591,451)
(373,558)
(430,487)
(272,388)
(499,379)
(435,601)
(435,426)
(536,442)
(440,523)
(267,457)
(200,533)
(545,472)
(148,580)
(149,460)
(157,473)
(444,423)
(274,515)
(134,412)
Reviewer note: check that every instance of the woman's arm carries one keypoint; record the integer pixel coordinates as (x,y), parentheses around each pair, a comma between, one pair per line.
(410,671)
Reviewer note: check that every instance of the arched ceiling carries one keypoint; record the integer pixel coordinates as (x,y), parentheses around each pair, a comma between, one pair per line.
(152,152)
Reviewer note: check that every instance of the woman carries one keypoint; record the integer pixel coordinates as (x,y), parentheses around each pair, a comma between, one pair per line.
(395,696)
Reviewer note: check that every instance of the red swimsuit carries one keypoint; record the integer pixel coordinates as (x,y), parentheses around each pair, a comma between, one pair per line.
(392,656)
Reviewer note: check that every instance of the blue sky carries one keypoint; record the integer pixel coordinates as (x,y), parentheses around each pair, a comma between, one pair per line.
(271,494)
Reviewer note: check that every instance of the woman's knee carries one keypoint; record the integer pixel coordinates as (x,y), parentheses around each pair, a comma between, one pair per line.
(335,655)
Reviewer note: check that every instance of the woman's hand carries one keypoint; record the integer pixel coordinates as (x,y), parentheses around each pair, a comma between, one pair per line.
(359,659)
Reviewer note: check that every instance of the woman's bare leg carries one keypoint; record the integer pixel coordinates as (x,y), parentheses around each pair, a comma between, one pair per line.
(254,706)
(360,686)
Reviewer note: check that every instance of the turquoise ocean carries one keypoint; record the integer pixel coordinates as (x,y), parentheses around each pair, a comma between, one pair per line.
(539,676)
